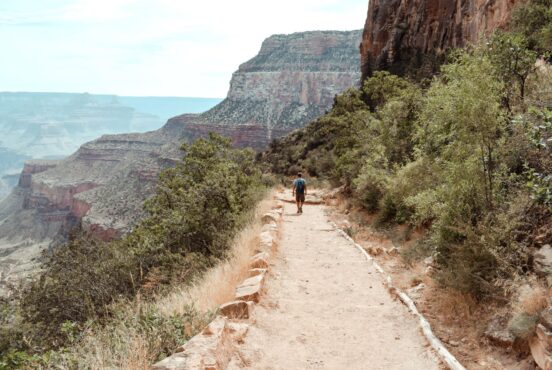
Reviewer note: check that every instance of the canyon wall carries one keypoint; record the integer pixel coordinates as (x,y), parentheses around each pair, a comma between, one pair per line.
(409,37)
(104,183)
(292,81)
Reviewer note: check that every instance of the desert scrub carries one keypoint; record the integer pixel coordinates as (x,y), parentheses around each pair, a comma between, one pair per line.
(465,156)
(199,207)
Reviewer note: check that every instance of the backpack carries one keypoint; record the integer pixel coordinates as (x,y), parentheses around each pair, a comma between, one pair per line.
(300,186)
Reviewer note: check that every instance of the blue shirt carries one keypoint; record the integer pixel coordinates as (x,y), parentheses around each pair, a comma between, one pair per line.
(299,185)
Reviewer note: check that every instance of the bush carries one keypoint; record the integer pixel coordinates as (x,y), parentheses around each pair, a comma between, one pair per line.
(533,19)
(457,156)
(199,206)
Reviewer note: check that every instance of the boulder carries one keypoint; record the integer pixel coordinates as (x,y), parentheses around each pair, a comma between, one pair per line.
(497,332)
(279,205)
(543,260)
(271,228)
(546,318)
(267,242)
(249,292)
(208,350)
(237,310)
(258,279)
(541,352)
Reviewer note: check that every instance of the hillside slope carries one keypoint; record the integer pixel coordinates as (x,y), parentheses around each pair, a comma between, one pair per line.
(292,80)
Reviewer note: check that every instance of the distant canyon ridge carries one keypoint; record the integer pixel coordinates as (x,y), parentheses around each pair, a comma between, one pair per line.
(55,125)
(102,186)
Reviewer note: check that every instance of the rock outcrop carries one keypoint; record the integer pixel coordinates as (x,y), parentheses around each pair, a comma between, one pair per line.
(292,81)
(411,36)
(104,184)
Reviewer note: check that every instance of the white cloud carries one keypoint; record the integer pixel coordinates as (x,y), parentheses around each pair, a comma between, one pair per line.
(150,47)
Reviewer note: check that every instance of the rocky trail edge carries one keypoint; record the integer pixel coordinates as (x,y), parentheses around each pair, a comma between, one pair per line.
(326,307)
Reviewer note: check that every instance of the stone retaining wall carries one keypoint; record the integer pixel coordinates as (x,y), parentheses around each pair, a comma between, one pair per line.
(213,348)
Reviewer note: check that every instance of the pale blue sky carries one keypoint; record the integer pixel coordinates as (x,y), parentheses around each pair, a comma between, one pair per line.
(149,47)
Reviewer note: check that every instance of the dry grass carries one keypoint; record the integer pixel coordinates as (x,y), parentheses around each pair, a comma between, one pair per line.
(218,285)
(532,299)
(125,344)
(451,305)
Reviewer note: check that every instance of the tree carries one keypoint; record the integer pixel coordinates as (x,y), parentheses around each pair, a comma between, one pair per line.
(513,61)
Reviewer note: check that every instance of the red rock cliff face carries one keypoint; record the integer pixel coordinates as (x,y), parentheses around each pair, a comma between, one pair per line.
(410,36)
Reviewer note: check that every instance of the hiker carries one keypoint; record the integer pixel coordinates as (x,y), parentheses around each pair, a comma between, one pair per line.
(299,191)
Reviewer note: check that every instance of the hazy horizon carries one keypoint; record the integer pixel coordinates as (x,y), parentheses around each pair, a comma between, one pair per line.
(158,48)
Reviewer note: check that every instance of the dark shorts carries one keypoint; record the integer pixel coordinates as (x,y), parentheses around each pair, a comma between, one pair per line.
(300,197)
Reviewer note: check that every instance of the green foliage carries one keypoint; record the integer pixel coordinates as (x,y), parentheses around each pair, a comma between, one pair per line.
(448,157)
(533,19)
(198,207)
(513,62)
(539,163)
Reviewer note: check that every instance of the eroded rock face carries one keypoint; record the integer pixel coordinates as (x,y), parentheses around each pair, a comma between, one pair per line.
(410,36)
(292,81)
(104,184)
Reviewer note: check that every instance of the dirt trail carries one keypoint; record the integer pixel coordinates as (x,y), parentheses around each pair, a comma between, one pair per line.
(325,307)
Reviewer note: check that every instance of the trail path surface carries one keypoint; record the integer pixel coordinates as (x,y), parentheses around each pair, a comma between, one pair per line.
(325,307)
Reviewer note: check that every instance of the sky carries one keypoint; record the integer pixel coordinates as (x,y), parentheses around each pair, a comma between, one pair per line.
(149,47)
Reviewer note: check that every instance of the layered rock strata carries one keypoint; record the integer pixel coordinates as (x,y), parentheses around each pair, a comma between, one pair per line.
(292,81)
(411,36)
(104,184)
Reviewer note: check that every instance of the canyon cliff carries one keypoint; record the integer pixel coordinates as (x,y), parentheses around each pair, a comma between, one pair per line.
(410,37)
(102,186)
(292,81)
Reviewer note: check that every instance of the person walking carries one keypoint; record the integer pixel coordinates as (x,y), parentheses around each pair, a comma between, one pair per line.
(299,191)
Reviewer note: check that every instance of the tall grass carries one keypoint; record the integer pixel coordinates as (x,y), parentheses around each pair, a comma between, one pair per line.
(142,333)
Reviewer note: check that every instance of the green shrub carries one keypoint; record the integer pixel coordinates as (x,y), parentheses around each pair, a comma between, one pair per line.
(198,207)
(458,155)
(533,19)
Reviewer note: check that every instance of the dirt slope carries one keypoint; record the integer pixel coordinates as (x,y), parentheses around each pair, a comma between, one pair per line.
(326,308)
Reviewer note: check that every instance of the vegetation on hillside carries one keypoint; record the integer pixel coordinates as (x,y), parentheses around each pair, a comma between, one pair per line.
(467,156)
(193,218)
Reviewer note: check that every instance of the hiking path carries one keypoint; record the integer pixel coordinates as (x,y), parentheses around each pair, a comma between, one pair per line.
(326,307)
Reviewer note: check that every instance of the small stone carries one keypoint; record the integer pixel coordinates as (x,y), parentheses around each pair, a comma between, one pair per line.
(255,272)
(416,292)
(259,261)
(544,335)
(237,310)
(269,218)
(376,251)
(546,318)
(543,260)
(393,251)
